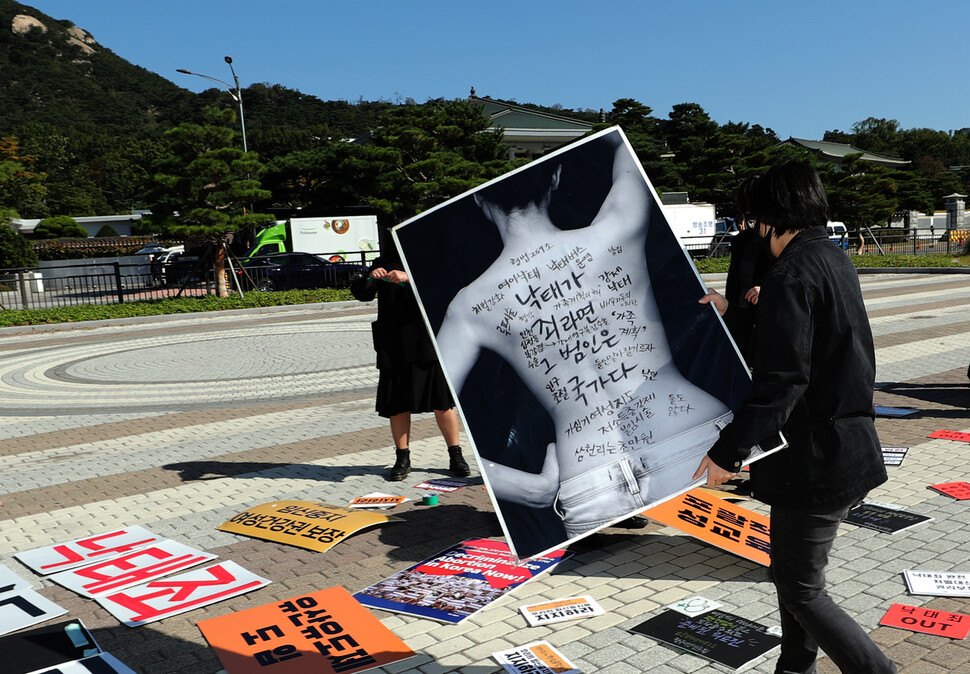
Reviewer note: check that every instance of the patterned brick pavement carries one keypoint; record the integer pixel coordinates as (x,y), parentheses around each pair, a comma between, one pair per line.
(177,423)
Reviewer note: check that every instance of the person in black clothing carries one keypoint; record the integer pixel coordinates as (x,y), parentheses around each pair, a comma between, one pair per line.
(813,374)
(749,262)
(411,380)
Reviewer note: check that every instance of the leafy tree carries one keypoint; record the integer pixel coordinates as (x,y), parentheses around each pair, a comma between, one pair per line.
(861,194)
(59,227)
(206,185)
(15,249)
(21,188)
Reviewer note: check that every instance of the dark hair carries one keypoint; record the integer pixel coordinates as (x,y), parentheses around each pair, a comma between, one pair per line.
(790,197)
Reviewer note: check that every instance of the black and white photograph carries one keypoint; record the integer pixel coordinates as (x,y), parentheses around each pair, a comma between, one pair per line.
(565,314)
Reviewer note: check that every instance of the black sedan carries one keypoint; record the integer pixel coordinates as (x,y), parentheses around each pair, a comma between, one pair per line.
(284,271)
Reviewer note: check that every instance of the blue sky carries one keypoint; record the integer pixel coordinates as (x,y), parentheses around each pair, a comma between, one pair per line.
(798,68)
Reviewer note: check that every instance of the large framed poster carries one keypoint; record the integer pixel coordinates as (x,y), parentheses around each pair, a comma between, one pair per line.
(565,314)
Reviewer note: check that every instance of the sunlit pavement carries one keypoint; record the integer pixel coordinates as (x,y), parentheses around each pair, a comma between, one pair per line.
(178,423)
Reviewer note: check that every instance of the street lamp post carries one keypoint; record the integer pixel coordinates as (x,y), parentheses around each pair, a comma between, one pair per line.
(235,92)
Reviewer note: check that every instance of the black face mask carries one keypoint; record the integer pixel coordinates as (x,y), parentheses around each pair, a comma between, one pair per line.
(766,240)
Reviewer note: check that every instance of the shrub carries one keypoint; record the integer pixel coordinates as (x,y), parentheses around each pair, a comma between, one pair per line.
(106,230)
(59,227)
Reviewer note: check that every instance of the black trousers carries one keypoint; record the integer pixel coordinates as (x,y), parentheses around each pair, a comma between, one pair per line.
(800,545)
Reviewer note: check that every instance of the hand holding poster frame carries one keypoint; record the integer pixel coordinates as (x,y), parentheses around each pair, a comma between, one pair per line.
(565,315)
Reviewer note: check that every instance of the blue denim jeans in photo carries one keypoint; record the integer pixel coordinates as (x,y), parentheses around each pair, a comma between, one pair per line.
(800,545)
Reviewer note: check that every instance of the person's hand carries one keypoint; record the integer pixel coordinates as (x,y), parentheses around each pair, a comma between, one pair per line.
(719,301)
(378,274)
(546,485)
(397,276)
(716,475)
(752,295)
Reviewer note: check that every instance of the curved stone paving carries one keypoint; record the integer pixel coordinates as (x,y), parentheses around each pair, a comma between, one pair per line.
(269,362)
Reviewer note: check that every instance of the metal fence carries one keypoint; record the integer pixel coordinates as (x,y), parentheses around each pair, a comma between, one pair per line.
(132,279)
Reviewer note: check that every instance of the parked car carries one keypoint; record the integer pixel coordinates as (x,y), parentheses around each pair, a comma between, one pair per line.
(725,230)
(838,234)
(284,271)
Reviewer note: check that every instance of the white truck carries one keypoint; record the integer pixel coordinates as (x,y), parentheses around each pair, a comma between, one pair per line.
(345,238)
(693,224)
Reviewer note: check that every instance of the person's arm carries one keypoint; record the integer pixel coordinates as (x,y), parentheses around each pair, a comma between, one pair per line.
(782,368)
(628,198)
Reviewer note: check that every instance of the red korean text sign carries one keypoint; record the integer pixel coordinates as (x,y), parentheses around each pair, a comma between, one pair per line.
(718,522)
(959,436)
(958,490)
(927,620)
(326,631)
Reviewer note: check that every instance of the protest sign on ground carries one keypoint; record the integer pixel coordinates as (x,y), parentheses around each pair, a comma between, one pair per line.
(716,635)
(327,632)
(927,620)
(82,551)
(884,518)
(457,582)
(721,523)
(165,597)
(938,583)
(305,524)
(561,610)
(539,657)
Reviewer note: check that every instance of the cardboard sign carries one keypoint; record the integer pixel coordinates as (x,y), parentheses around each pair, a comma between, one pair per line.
(103,663)
(884,519)
(166,597)
(538,657)
(81,551)
(377,500)
(716,521)
(44,647)
(938,583)
(305,524)
(950,435)
(563,307)
(326,631)
(715,635)
(927,621)
(893,456)
(958,490)
(561,610)
(457,582)
(155,560)
(441,485)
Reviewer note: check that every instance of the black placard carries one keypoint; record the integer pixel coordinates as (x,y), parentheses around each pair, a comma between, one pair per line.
(716,635)
(46,646)
(882,519)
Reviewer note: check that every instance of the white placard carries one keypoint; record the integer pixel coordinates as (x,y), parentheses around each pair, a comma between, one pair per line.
(103,663)
(938,583)
(139,566)
(82,551)
(538,657)
(22,607)
(560,610)
(166,597)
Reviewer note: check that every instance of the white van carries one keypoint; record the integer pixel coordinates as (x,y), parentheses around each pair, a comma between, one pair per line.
(838,233)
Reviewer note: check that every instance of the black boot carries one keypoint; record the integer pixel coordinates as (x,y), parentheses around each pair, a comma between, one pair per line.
(402,466)
(457,464)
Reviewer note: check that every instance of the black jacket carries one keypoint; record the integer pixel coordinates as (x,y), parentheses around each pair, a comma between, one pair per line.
(814,368)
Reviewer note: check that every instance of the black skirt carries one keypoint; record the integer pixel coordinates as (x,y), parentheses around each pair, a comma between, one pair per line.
(412,387)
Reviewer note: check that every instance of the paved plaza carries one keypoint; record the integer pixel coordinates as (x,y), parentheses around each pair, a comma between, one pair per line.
(177,423)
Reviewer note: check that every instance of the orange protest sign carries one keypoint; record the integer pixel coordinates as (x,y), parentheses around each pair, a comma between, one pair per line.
(305,524)
(326,631)
(718,522)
